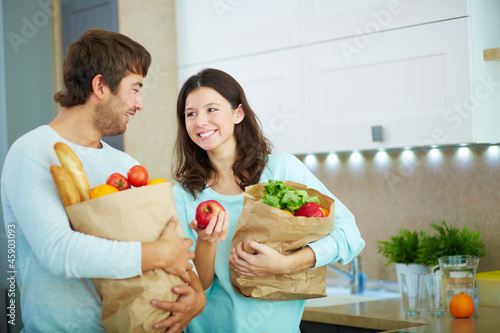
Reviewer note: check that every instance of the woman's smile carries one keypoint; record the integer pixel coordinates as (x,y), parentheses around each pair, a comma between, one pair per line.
(207,134)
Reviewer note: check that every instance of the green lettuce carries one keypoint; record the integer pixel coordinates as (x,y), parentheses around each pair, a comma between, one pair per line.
(277,194)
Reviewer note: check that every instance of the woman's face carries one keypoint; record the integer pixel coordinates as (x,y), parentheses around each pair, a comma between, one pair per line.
(210,120)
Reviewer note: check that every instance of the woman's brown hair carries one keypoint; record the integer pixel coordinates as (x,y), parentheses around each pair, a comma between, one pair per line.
(192,166)
(98,51)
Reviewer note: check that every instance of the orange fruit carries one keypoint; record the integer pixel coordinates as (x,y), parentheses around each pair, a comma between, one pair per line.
(286,211)
(156,181)
(461,306)
(326,212)
(101,190)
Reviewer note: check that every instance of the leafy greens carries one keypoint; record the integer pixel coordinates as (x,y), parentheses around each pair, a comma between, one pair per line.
(277,194)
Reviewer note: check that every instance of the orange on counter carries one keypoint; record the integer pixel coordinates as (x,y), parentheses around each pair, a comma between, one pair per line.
(156,181)
(463,325)
(461,306)
(101,190)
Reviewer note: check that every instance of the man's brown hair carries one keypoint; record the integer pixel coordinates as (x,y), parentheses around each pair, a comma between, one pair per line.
(98,51)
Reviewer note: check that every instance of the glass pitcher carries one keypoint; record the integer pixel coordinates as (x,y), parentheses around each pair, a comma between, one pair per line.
(458,275)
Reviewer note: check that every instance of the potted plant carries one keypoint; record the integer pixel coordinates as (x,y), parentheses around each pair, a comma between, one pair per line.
(417,251)
(403,250)
(449,241)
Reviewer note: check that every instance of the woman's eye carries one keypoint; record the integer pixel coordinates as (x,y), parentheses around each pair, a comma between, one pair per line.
(212,109)
(189,114)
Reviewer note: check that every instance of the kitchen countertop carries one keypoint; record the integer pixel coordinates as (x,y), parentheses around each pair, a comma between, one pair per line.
(388,316)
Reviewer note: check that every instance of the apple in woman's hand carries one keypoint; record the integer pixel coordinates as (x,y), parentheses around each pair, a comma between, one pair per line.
(206,210)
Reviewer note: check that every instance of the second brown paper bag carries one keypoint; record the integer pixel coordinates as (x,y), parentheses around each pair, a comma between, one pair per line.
(138,214)
(286,234)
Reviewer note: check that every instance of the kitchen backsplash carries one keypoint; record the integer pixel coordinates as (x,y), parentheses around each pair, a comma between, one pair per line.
(411,189)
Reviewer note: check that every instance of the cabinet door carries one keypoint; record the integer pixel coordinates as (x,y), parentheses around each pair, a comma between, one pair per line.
(324,20)
(272,84)
(407,80)
(221,29)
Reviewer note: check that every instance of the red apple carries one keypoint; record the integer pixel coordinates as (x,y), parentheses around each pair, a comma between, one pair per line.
(206,210)
(310,209)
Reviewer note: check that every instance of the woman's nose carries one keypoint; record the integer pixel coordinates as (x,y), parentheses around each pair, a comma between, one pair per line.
(201,119)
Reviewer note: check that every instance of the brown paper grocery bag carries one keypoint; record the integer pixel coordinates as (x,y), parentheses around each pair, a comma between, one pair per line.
(138,214)
(286,234)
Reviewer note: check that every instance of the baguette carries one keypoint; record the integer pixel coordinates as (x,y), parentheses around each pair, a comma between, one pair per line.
(70,161)
(65,185)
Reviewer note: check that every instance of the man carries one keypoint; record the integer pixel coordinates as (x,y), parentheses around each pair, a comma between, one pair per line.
(103,75)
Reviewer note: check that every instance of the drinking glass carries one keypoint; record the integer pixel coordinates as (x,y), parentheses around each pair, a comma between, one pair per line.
(411,293)
(434,293)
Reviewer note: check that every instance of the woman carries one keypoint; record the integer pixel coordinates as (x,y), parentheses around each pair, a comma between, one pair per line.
(220,149)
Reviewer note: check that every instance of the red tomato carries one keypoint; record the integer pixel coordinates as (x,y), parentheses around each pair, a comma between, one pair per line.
(119,181)
(137,176)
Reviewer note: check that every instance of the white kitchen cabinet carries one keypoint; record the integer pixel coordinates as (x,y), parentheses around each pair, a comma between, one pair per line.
(321,73)
(324,20)
(485,94)
(405,81)
(273,91)
(223,29)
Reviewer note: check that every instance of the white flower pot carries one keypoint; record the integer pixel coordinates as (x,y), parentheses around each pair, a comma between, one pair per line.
(410,268)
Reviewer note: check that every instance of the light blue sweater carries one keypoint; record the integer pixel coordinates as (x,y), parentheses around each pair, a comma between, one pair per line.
(227,311)
(53,262)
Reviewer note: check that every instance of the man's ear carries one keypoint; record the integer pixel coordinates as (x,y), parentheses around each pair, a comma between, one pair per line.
(98,86)
(239,114)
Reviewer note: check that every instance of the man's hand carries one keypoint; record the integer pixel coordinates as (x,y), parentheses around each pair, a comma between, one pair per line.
(191,303)
(169,252)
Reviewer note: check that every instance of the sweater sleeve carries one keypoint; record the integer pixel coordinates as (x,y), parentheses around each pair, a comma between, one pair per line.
(344,242)
(31,201)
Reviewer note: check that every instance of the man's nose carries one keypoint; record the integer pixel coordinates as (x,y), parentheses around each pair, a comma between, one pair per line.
(139,105)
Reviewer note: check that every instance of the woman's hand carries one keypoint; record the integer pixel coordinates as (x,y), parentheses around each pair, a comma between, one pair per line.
(206,246)
(216,230)
(267,261)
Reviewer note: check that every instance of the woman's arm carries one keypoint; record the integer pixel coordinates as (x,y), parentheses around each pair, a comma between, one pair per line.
(344,242)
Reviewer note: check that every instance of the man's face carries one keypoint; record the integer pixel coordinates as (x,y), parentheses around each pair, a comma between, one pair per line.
(112,114)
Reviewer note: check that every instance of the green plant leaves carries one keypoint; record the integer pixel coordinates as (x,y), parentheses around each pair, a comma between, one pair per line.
(412,247)
(402,248)
(450,241)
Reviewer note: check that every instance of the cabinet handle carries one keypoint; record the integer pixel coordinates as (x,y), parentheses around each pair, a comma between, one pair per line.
(492,54)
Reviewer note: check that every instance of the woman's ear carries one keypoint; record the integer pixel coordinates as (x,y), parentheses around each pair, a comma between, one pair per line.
(98,86)
(239,114)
